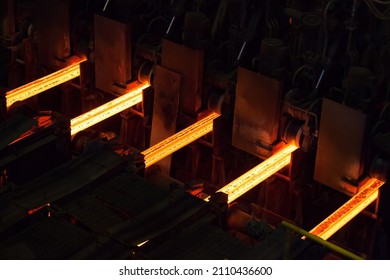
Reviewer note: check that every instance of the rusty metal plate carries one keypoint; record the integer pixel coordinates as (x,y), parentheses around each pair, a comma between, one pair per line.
(52,28)
(339,160)
(256,112)
(112,53)
(189,64)
(165,109)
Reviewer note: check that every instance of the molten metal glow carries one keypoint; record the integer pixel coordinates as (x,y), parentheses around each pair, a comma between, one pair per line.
(256,175)
(368,194)
(107,110)
(43,84)
(179,140)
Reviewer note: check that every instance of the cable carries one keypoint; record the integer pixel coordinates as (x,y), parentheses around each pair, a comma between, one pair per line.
(374,10)
(105,5)
(381,2)
(298,71)
(325,26)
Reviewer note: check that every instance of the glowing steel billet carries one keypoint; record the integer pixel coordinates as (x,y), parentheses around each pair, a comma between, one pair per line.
(256,175)
(31,89)
(107,110)
(179,140)
(349,210)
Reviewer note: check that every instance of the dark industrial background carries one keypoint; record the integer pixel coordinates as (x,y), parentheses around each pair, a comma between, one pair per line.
(314,74)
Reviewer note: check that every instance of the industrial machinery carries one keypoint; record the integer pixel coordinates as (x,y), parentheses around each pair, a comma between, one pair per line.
(190,129)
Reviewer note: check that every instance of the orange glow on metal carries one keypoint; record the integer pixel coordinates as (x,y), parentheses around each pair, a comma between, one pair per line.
(31,89)
(179,140)
(258,174)
(43,121)
(107,110)
(32,211)
(367,194)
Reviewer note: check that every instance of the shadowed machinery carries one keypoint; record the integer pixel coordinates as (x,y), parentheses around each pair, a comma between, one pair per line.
(189,129)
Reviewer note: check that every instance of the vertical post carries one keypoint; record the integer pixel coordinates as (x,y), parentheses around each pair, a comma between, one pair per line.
(11,17)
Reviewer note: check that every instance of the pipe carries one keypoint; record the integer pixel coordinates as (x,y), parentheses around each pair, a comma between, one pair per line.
(322,242)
